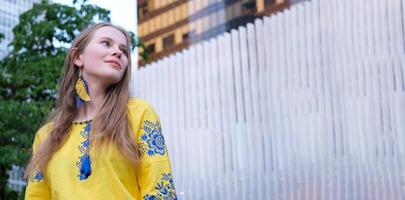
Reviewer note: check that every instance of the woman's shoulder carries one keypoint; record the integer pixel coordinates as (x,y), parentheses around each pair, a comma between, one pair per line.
(135,103)
(43,131)
(140,110)
(137,106)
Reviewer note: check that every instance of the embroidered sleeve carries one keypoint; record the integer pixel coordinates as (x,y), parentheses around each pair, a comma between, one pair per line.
(154,173)
(37,188)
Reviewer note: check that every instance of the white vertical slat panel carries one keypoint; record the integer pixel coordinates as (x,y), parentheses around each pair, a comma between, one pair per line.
(202,114)
(140,81)
(324,13)
(336,70)
(293,96)
(175,152)
(349,75)
(200,87)
(165,98)
(267,60)
(183,139)
(158,86)
(135,86)
(309,27)
(198,133)
(184,102)
(297,124)
(155,75)
(403,25)
(185,87)
(374,21)
(383,23)
(209,131)
(191,73)
(143,77)
(153,86)
(264,141)
(147,81)
(319,132)
(400,127)
(256,136)
(276,84)
(163,110)
(308,49)
(226,111)
(247,125)
(230,118)
(282,149)
(194,98)
(342,62)
(392,147)
(395,30)
(216,118)
(239,145)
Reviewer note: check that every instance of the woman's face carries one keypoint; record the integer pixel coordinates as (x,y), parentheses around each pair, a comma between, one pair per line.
(105,59)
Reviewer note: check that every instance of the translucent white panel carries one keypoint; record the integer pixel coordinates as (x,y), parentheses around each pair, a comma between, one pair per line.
(305,104)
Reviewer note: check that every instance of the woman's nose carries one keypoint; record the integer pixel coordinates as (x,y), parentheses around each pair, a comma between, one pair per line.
(117,53)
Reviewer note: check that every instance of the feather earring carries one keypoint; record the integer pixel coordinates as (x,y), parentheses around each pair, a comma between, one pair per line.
(82,91)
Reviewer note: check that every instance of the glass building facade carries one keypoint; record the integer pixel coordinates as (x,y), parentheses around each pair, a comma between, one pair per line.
(10,11)
(171,25)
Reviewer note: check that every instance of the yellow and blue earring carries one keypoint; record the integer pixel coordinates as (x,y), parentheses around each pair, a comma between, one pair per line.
(82,91)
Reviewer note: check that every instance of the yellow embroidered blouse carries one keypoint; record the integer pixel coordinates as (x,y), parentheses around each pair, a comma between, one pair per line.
(112,176)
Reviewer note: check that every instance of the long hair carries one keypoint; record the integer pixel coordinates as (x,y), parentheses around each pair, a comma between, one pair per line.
(111,123)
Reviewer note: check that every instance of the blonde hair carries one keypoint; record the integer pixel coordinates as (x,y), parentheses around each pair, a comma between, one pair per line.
(111,123)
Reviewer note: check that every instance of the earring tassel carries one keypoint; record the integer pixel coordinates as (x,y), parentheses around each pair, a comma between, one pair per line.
(79,102)
(82,91)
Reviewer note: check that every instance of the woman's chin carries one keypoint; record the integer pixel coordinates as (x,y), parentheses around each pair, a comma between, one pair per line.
(111,80)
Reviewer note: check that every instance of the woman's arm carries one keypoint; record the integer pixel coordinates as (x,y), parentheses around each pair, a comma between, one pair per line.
(37,188)
(154,173)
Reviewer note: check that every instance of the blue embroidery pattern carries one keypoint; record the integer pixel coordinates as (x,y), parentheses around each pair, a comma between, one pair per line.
(84,163)
(38,176)
(153,138)
(165,189)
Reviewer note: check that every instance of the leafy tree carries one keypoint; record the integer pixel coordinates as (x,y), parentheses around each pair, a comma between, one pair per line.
(30,72)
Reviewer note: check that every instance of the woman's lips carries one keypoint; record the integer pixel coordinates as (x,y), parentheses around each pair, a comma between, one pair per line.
(114,64)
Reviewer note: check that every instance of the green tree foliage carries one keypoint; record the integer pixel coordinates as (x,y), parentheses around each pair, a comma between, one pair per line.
(29,73)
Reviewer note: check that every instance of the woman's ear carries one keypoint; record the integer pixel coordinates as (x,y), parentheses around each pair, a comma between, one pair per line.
(77,59)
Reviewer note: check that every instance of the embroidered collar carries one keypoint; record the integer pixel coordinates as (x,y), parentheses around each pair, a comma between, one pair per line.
(83,122)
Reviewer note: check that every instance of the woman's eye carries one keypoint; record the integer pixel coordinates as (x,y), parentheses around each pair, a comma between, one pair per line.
(106,42)
(124,51)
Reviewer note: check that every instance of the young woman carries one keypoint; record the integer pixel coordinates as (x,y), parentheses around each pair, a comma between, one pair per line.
(98,143)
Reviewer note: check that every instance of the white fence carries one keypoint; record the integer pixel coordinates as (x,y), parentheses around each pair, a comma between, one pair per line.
(15,181)
(305,104)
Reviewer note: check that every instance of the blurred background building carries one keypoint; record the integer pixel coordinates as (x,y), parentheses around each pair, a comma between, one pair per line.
(10,11)
(172,25)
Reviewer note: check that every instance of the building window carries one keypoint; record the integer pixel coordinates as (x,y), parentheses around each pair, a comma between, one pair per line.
(150,48)
(142,9)
(168,41)
(269,2)
(249,8)
(185,36)
(189,35)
